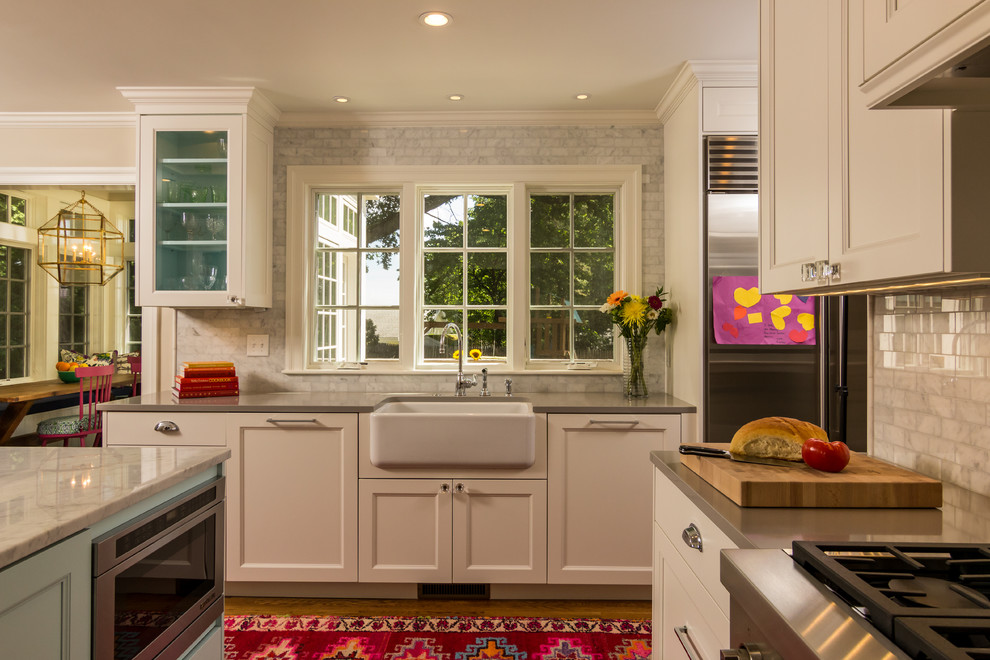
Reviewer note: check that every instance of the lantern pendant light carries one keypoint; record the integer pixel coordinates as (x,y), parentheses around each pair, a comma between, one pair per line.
(79,246)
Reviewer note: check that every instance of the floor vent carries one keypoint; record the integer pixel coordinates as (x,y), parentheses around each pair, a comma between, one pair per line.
(454,591)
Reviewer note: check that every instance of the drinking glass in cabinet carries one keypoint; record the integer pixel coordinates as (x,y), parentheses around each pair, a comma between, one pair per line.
(216,226)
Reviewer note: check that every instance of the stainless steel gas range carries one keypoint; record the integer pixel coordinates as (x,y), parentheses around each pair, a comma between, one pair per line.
(860,600)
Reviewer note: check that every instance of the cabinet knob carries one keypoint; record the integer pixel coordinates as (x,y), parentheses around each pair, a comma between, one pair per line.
(692,537)
(234,300)
(166,426)
(460,488)
(444,488)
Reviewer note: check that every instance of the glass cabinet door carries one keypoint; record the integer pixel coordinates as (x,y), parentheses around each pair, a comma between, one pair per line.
(191,210)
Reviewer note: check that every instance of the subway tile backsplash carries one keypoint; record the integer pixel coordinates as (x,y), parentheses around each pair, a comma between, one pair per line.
(931,387)
(222,334)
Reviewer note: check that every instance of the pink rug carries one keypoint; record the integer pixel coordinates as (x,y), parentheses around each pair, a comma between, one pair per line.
(265,637)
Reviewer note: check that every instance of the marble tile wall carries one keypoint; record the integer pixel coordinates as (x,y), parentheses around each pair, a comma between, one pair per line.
(931,387)
(221,334)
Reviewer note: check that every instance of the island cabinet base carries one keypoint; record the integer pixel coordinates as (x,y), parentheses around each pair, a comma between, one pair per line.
(48,594)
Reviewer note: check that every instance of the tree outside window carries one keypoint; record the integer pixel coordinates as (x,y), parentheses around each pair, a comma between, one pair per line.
(356,279)
(572,272)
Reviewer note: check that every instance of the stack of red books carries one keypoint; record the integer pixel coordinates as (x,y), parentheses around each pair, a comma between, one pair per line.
(202,379)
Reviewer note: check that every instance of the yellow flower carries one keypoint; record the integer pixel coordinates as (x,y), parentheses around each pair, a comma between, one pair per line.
(617,297)
(456,354)
(634,312)
(475,354)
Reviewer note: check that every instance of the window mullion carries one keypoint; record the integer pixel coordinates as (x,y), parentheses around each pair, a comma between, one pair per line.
(518,312)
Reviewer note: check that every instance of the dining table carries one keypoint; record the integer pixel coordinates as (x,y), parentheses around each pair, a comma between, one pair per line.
(19,398)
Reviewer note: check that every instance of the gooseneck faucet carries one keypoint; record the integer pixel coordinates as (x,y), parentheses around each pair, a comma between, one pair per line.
(462,383)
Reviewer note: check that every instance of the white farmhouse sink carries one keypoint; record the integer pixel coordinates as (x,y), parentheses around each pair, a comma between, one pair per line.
(420,432)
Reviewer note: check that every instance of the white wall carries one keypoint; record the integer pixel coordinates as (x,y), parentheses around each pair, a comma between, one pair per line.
(221,334)
(73,146)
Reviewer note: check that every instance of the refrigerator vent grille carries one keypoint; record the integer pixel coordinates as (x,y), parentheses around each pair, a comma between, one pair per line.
(732,164)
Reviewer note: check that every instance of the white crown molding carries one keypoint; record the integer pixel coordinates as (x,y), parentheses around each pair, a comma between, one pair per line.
(68,120)
(463,119)
(202,100)
(706,73)
(74,176)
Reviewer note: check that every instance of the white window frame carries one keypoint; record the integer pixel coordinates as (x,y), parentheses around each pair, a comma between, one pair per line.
(411,182)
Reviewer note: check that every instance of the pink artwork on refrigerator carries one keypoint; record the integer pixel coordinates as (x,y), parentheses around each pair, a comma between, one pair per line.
(742,315)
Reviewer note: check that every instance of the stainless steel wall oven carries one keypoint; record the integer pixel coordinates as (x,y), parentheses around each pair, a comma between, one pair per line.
(158,581)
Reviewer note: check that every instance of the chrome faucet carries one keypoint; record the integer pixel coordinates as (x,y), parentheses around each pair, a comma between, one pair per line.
(484,383)
(462,383)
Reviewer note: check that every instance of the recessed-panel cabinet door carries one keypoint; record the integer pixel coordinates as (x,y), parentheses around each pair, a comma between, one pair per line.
(500,531)
(291,503)
(600,481)
(799,107)
(405,530)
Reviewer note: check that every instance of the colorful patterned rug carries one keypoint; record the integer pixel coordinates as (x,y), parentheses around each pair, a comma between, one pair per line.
(266,637)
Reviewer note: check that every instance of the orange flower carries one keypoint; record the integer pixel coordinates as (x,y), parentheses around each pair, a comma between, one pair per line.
(617,297)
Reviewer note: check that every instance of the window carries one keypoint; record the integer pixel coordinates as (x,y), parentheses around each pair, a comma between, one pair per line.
(521,259)
(73,318)
(13,210)
(465,274)
(13,312)
(132,313)
(356,286)
(572,272)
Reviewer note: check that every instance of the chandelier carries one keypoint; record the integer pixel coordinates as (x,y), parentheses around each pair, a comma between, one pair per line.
(79,246)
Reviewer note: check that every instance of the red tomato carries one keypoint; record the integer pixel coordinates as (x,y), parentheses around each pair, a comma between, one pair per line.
(824,455)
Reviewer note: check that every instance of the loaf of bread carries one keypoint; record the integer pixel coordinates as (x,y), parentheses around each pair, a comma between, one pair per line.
(775,437)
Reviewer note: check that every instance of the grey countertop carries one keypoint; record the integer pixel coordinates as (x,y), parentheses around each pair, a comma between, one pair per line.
(316,402)
(50,493)
(752,527)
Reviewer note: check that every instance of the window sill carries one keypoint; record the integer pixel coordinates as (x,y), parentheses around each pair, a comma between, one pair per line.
(371,371)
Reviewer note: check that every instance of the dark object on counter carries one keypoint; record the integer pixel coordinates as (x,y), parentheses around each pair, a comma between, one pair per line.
(723,453)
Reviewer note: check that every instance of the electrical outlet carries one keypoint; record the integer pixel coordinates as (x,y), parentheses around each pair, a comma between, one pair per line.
(257,345)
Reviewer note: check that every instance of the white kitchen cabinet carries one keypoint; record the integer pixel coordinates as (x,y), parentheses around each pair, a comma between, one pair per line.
(292,497)
(909,42)
(599,484)
(690,605)
(48,594)
(729,109)
(174,429)
(453,530)
(852,197)
(204,198)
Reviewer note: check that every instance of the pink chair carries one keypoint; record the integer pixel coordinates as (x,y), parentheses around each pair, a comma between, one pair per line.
(94,388)
(135,362)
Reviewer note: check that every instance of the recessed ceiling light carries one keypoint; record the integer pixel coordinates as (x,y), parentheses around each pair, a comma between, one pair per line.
(341,99)
(435,19)
(456,97)
(583,97)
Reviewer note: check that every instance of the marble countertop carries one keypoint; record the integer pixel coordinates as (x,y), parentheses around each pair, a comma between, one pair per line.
(963,517)
(317,402)
(49,493)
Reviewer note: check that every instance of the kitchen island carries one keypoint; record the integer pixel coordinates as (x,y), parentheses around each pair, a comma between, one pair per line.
(694,522)
(54,502)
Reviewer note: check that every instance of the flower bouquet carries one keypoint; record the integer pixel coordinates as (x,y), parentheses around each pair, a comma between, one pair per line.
(636,316)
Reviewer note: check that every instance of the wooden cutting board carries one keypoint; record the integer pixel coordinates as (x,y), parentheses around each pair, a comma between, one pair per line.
(866,482)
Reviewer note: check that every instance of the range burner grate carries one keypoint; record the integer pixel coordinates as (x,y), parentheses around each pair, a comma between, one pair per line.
(893,580)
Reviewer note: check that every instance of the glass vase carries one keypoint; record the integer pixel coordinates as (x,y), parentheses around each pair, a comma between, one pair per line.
(633,369)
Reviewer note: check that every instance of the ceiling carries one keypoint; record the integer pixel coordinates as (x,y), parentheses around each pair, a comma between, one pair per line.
(509,55)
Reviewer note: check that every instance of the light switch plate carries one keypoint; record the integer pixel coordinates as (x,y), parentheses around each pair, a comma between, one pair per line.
(257,345)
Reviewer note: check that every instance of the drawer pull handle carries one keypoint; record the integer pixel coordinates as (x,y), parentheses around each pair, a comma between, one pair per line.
(692,537)
(166,426)
(272,420)
(623,422)
(685,639)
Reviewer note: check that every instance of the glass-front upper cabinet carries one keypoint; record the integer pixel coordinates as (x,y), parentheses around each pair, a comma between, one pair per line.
(203,241)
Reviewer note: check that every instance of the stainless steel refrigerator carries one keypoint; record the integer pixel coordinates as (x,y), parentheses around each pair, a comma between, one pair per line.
(823,382)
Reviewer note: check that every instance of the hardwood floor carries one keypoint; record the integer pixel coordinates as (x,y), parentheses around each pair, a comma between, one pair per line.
(564,609)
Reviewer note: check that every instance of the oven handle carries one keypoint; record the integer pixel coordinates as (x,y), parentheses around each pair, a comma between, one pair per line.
(684,637)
